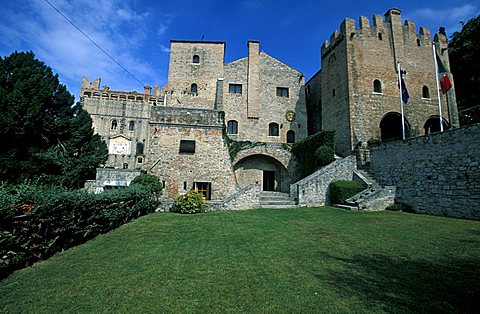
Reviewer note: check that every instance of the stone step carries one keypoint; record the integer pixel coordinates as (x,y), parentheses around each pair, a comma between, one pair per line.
(345,206)
(271,199)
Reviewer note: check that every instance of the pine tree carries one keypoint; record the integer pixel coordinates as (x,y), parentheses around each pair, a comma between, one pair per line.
(45,138)
(464,51)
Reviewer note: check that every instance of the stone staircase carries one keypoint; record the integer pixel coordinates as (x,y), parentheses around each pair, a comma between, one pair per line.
(375,197)
(270,199)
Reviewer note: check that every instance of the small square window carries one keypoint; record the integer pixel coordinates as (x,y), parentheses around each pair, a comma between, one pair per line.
(235,88)
(187,147)
(282,91)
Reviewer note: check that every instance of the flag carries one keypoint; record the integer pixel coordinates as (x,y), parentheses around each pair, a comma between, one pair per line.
(405,95)
(445,83)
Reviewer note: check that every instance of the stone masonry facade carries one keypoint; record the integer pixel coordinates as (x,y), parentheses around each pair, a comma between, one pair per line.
(179,131)
(184,132)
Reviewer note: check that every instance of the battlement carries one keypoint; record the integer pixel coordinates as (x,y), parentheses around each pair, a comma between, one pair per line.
(189,117)
(91,89)
(381,28)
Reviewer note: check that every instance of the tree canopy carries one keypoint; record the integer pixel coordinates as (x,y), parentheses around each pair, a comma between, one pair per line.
(46,139)
(464,51)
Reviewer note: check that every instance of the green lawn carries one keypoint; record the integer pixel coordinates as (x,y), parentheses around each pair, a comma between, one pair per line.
(296,260)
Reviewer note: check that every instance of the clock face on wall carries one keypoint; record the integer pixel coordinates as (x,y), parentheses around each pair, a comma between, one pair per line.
(119,146)
(290,116)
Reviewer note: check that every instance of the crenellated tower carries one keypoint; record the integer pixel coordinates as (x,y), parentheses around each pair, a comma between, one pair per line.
(358,91)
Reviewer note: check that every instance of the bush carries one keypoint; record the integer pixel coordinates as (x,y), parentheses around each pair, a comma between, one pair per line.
(374,142)
(305,150)
(190,203)
(148,182)
(38,221)
(342,190)
(400,207)
(324,155)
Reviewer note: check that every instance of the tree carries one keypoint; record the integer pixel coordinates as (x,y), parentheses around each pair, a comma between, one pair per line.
(464,51)
(45,138)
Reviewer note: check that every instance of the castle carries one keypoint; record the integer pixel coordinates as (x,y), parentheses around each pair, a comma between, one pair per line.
(179,132)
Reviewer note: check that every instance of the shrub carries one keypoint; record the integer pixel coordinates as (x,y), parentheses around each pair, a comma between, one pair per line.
(342,190)
(324,155)
(305,150)
(190,203)
(148,182)
(400,207)
(374,142)
(38,221)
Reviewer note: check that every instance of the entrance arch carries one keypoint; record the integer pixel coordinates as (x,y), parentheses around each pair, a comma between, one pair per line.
(266,171)
(433,125)
(391,127)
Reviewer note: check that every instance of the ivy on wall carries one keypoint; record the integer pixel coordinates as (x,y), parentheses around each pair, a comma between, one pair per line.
(305,150)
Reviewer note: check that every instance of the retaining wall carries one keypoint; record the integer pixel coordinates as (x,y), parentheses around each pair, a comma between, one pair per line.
(436,174)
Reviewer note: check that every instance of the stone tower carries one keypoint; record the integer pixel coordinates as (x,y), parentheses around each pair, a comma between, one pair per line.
(194,70)
(357,86)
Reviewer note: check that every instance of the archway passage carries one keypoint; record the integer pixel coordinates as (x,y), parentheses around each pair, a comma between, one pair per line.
(433,125)
(263,170)
(391,127)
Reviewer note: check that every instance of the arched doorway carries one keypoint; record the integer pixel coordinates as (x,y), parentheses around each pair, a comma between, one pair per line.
(433,125)
(266,171)
(391,127)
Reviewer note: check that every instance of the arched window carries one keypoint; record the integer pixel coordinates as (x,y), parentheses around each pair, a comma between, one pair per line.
(131,126)
(125,166)
(114,125)
(273,129)
(232,127)
(418,42)
(377,86)
(380,36)
(425,92)
(290,136)
(196,59)
(194,88)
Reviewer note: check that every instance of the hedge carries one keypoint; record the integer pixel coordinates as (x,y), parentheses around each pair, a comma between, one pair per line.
(305,150)
(37,221)
(342,190)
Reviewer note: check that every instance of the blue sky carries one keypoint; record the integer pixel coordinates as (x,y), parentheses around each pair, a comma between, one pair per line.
(137,33)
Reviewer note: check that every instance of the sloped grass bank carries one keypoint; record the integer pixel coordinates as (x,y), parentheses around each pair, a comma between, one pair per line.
(296,260)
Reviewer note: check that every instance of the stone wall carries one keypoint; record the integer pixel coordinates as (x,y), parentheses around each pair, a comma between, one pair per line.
(436,174)
(108,178)
(313,190)
(255,109)
(209,163)
(117,114)
(183,72)
(243,199)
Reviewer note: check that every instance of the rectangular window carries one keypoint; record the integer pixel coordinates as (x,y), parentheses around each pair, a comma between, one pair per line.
(187,147)
(203,188)
(282,91)
(235,88)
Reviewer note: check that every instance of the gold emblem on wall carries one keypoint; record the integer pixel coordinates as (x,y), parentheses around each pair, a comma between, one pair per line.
(290,115)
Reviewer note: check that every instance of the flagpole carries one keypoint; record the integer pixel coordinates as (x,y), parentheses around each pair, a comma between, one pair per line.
(401,100)
(438,87)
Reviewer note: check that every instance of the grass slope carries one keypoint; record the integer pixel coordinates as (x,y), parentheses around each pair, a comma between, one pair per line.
(296,260)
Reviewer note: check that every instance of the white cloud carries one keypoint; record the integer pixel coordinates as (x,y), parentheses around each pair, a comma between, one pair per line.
(115,25)
(165,49)
(450,18)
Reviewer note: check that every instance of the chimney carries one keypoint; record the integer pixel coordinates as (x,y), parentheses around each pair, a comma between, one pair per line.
(253,95)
